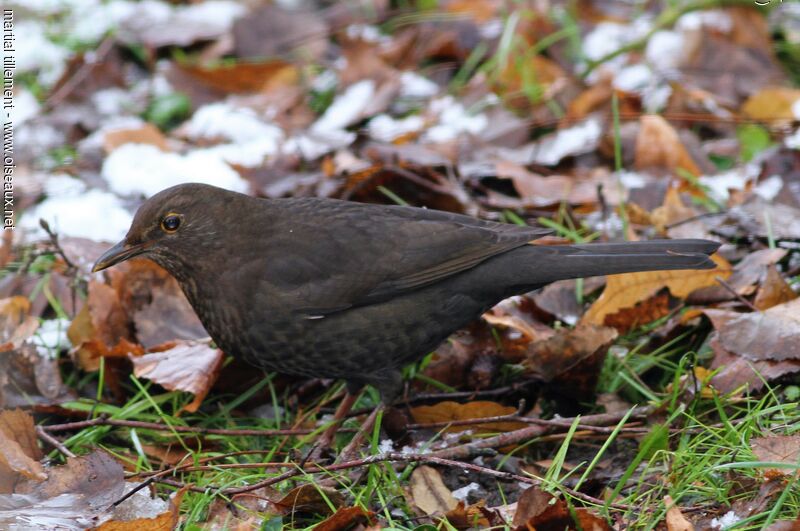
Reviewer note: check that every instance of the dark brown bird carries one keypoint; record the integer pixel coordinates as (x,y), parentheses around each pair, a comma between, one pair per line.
(335,289)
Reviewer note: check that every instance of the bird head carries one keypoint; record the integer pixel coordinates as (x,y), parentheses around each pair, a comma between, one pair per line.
(173,225)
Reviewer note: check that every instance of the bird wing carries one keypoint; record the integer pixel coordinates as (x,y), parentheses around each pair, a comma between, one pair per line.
(349,254)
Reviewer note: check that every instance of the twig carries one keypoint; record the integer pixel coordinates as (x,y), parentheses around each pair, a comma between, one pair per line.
(105,421)
(736,294)
(52,441)
(80,75)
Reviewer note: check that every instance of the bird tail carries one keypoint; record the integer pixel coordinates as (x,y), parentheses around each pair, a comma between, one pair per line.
(594,259)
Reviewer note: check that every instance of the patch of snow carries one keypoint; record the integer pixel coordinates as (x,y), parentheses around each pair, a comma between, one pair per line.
(145,169)
(796,109)
(575,140)
(215,15)
(665,50)
(139,505)
(313,145)
(237,124)
(384,127)
(76,215)
(386,446)
(716,19)
(91,20)
(38,53)
(607,37)
(347,108)
(325,81)
(633,78)
(25,107)
(462,493)
(51,336)
(453,121)
(112,102)
(491,29)
(248,154)
(367,33)
(631,179)
(769,188)
(728,519)
(792,141)
(415,86)
(734,179)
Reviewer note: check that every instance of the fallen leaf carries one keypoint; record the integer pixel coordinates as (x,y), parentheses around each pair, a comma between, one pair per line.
(560,354)
(749,272)
(772,105)
(671,211)
(658,145)
(99,327)
(345,518)
(625,290)
(74,496)
(242,78)
(777,449)
(28,378)
(643,312)
(19,450)
(675,519)
(734,372)
(773,291)
(275,31)
(147,133)
(184,365)
(16,323)
(465,516)
(448,411)
(310,498)
(560,300)
(773,334)
(133,516)
(429,492)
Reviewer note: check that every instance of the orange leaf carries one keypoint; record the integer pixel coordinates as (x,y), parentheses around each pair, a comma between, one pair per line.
(625,290)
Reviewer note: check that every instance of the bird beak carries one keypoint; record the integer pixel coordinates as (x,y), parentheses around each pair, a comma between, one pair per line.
(119,253)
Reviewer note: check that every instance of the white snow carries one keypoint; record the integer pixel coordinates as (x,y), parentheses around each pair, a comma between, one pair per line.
(792,141)
(25,107)
(52,335)
(237,124)
(145,169)
(453,120)
(665,50)
(384,127)
(716,19)
(462,493)
(313,145)
(413,85)
(728,520)
(769,187)
(733,179)
(347,108)
(575,140)
(77,215)
(35,52)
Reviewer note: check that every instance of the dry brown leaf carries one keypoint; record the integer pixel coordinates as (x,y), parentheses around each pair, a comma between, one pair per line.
(773,291)
(573,354)
(18,425)
(186,366)
(777,449)
(449,411)
(658,145)
(77,495)
(28,378)
(310,498)
(772,105)
(245,77)
(429,492)
(734,372)
(16,323)
(468,516)
(537,510)
(625,290)
(14,461)
(99,327)
(773,334)
(646,311)
(675,519)
(747,273)
(145,134)
(345,518)
(671,211)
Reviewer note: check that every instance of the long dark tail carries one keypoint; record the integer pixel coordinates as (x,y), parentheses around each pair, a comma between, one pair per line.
(559,262)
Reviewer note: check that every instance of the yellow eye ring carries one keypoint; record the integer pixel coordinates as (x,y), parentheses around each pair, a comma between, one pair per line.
(171,223)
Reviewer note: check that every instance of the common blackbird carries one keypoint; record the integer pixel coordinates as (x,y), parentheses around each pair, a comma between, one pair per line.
(336,289)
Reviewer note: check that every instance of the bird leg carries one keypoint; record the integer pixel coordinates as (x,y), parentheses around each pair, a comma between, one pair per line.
(351,450)
(326,439)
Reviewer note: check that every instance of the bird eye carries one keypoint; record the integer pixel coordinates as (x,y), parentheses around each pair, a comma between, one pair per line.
(171,222)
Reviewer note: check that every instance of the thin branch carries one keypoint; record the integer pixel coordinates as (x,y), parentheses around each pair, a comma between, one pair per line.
(732,290)
(52,441)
